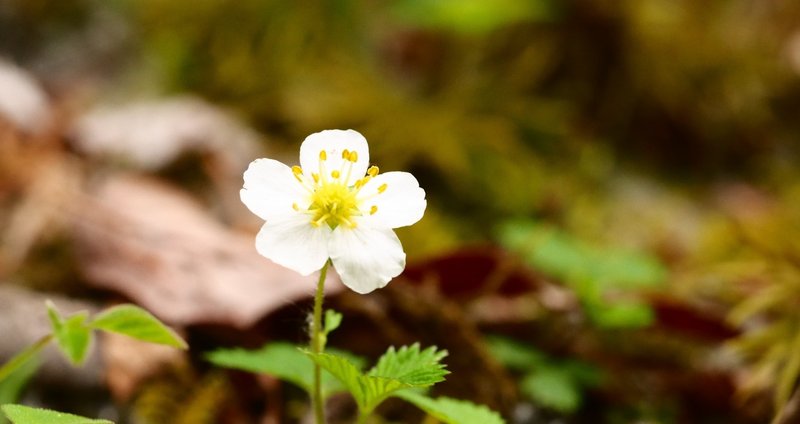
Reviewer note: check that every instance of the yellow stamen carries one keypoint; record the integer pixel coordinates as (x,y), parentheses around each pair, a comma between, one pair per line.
(319,222)
(373,171)
(373,209)
(295,207)
(335,174)
(346,154)
(353,157)
(323,155)
(298,173)
(315,177)
(360,183)
(382,188)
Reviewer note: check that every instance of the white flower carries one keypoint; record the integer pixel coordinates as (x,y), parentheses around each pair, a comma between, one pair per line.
(333,206)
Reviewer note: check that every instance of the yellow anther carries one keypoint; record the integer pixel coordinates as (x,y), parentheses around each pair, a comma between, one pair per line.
(346,154)
(353,157)
(323,155)
(315,177)
(373,171)
(295,207)
(382,188)
(298,173)
(373,209)
(360,183)
(335,174)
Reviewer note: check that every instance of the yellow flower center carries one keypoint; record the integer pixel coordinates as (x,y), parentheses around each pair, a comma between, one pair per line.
(333,202)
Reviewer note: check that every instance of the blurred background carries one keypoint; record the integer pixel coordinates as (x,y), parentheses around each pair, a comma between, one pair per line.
(613,223)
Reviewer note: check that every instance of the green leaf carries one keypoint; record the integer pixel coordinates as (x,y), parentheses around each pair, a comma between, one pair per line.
(12,386)
(471,16)
(412,366)
(333,320)
(368,391)
(452,411)
(628,314)
(553,388)
(73,336)
(283,361)
(135,322)
(603,278)
(515,355)
(19,414)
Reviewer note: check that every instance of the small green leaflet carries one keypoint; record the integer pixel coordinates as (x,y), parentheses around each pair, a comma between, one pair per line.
(333,320)
(281,360)
(412,366)
(451,411)
(19,414)
(72,334)
(367,391)
(135,322)
(396,369)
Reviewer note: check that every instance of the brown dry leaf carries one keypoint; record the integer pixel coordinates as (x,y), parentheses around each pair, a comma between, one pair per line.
(157,246)
(23,102)
(151,134)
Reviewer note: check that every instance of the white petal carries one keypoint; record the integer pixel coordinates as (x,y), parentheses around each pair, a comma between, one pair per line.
(366,258)
(401,203)
(334,142)
(292,241)
(270,189)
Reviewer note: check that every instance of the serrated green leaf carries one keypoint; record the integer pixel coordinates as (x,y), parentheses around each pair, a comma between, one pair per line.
(281,360)
(552,388)
(452,411)
(333,320)
(135,322)
(20,414)
(412,366)
(368,391)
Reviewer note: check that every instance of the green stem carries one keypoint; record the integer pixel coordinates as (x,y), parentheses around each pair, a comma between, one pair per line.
(317,346)
(362,417)
(22,357)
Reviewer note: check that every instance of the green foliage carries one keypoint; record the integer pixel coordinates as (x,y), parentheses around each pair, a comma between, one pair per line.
(396,370)
(604,279)
(412,366)
(19,414)
(281,360)
(552,388)
(333,320)
(72,335)
(368,391)
(556,384)
(22,358)
(11,387)
(135,322)
(470,16)
(452,411)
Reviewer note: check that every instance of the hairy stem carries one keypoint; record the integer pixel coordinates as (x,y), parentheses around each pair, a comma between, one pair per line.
(317,346)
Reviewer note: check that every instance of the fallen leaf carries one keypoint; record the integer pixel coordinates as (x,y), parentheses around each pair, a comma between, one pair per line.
(155,245)
(23,103)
